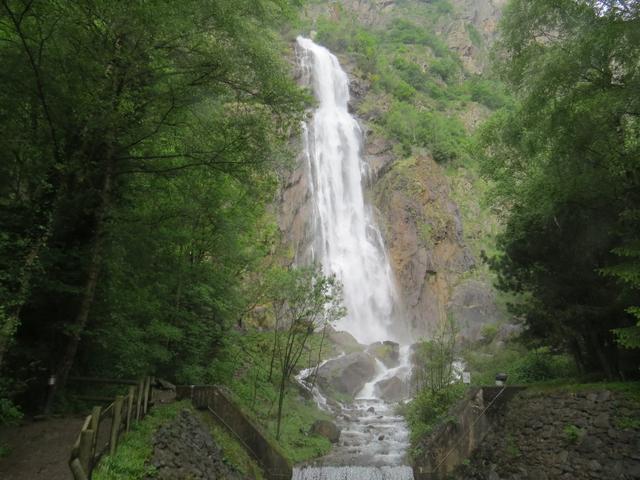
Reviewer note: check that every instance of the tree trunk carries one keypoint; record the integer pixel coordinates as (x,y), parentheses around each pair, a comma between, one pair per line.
(602,357)
(576,352)
(283,384)
(315,372)
(93,272)
(275,345)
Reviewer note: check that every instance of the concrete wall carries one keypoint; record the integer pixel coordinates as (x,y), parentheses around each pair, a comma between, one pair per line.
(456,439)
(220,403)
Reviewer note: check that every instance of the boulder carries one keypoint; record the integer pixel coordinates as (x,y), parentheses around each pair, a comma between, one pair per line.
(391,389)
(326,429)
(347,374)
(387,352)
(344,340)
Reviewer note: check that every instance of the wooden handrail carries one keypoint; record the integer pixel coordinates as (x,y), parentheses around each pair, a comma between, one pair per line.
(110,381)
(86,453)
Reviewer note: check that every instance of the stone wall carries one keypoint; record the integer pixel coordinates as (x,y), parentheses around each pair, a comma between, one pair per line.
(184,448)
(560,435)
(220,403)
(470,421)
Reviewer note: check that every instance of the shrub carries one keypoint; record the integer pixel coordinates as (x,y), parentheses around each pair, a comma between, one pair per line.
(523,366)
(429,408)
(489,332)
(9,413)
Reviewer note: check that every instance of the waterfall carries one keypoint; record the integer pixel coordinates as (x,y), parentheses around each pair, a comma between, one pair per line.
(347,241)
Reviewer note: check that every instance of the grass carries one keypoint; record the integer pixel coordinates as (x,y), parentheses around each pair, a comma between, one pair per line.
(136,447)
(630,390)
(522,365)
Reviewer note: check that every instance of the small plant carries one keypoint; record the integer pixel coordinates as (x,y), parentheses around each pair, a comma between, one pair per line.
(624,423)
(512,449)
(489,332)
(572,433)
(5,450)
(9,413)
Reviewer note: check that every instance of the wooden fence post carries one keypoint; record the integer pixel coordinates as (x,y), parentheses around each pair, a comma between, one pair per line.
(147,386)
(132,392)
(152,380)
(84,454)
(115,424)
(95,425)
(77,471)
(139,399)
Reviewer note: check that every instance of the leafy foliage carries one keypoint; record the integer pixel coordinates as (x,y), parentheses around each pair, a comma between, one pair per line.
(523,366)
(428,409)
(141,144)
(564,160)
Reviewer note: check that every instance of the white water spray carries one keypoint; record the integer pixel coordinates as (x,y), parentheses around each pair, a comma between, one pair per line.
(348,242)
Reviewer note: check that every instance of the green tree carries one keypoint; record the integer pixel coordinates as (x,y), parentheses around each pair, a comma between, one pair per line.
(303,301)
(121,122)
(565,164)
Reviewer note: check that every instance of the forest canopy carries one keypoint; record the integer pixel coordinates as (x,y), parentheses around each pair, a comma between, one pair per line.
(566,165)
(141,143)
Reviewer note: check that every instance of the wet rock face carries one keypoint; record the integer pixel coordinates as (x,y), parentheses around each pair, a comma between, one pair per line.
(484,16)
(347,374)
(326,429)
(392,389)
(295,211)
(185,449)
(424,236)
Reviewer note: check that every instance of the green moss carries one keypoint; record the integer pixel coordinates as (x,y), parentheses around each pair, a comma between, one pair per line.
(136,447)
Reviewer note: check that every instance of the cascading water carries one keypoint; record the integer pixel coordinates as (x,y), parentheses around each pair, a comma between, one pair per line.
(374,440)
(348,242)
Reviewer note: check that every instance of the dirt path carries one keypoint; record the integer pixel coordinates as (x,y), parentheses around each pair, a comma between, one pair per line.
(39,450)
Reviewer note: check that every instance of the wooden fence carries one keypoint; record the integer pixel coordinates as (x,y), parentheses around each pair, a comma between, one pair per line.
(96,439)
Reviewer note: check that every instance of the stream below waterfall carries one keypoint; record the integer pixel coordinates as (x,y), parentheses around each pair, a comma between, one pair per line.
(374,439)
